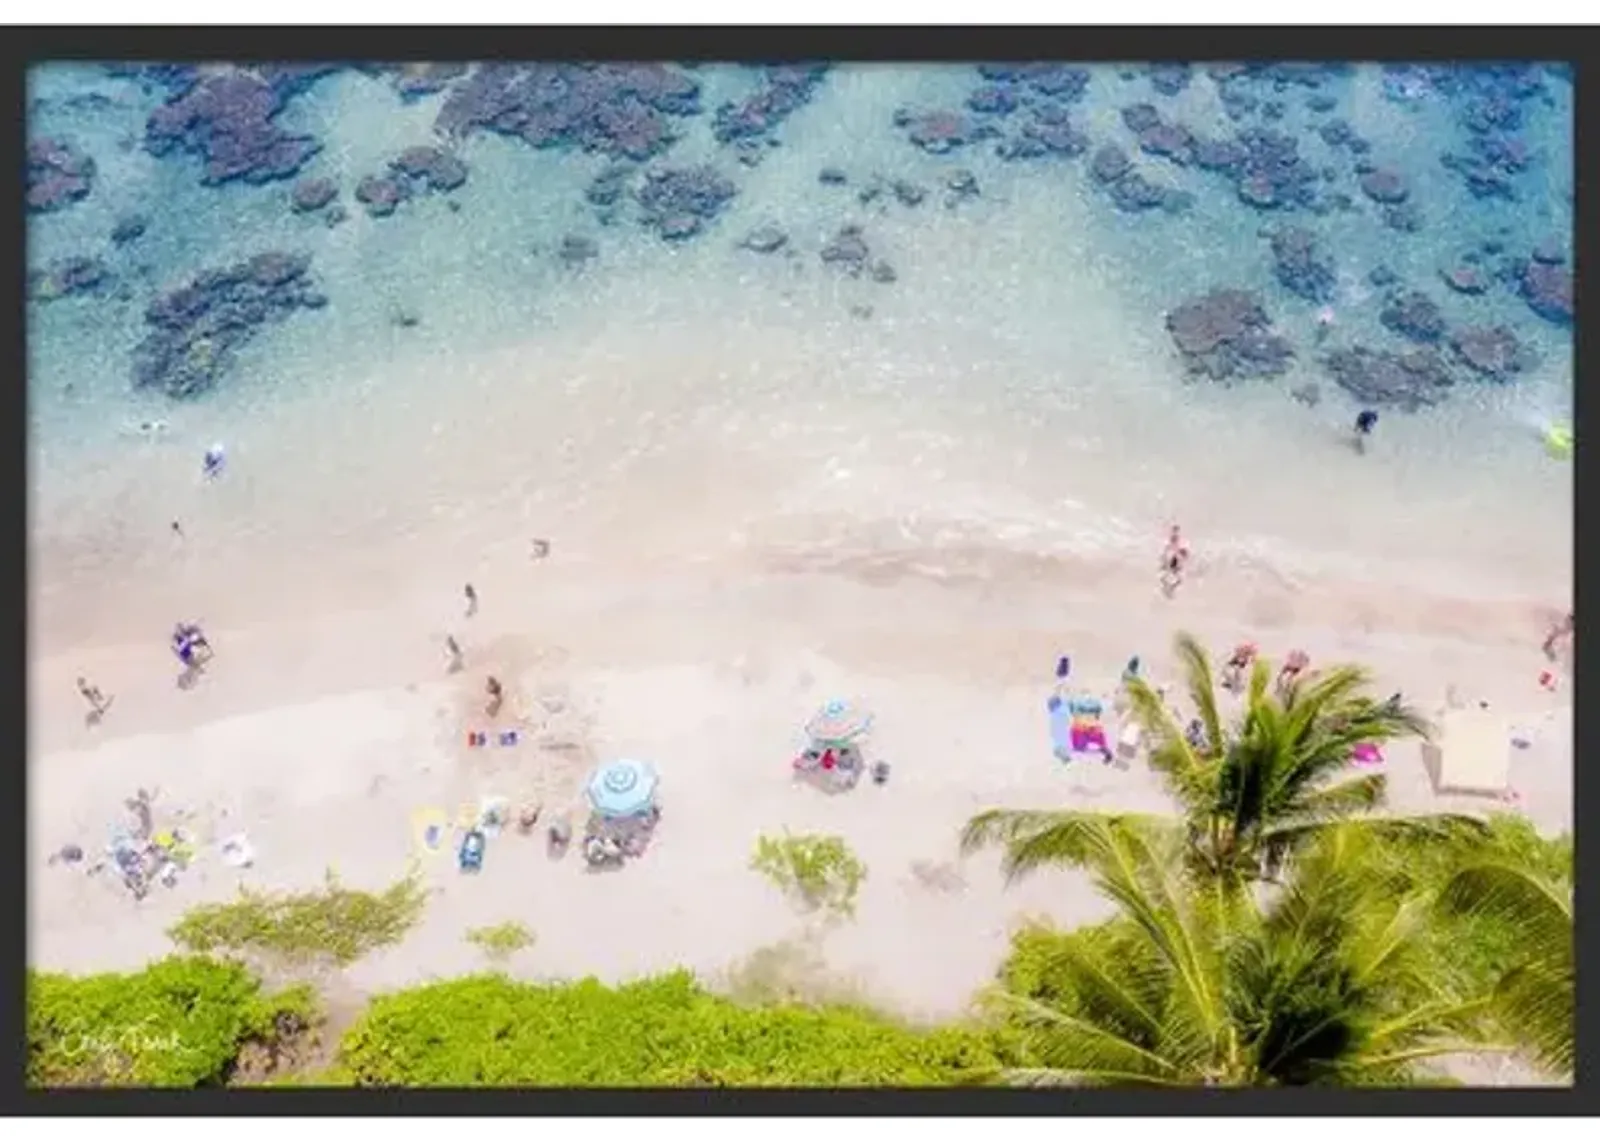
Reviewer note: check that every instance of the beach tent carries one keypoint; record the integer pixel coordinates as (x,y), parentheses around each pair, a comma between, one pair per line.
(1472,754)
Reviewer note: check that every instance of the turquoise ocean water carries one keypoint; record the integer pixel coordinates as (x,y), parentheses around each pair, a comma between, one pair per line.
(1013,386)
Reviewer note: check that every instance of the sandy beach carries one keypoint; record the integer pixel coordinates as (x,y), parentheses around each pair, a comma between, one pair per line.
(322,740)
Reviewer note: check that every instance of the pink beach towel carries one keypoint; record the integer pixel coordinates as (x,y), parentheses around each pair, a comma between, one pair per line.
(1366,754)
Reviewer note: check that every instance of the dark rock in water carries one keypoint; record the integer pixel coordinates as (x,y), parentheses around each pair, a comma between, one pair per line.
(617,109)
(1321,103)
(847,250)
(1048,132)
(67,276)
(1409,380)
(883,272)
(1413,315)
(576,249)
(1109,164)
(198,327)
(1406,217)
(405,319)
(1219,154)
(608,186)
(1547,288)
(1492,246)
(1551,252)
(940,132)
(785,89)
(1336,132)
(993,100)
(1465,279)
(381,195)
(832,177)
(313,194)
(1140,117)
(1359,146)
(227,119)
(1301,266)
(1491,351)
(1133,193)
(1383,185)
(908,194)
(1237,104)
(677,202)
(1381,276)
(1226,334)
(860,312)
(414,81)
(129,228)
(335,215)
(962,184)
(1060,81)
(1170,141)
(1272,110)
(1170,78)
(1272,174)
(58,175)
(765,240)
(430,168)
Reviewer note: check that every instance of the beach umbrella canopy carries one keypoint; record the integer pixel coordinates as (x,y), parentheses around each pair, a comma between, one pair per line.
(839,722)
(622,789)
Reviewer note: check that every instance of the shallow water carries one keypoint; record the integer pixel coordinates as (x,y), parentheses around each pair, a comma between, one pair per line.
(1014,386)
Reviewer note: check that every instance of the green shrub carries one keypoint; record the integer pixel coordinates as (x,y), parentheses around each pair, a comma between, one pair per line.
(820,872)
(334,923)
(501,942)
(665,1030)
(181,1022)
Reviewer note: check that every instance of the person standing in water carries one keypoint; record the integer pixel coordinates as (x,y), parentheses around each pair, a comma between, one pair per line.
(472,600)
(1366,421)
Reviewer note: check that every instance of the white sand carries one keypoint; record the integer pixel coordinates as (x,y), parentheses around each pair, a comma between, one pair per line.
(321,739)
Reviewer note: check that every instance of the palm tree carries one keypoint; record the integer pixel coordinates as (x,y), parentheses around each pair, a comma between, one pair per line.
(1534,1000)
(1193,985)
(1250,792)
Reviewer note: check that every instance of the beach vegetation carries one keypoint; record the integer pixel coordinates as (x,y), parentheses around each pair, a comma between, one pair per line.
(658,1031)
(1327,979)
(184,1022)
(1251,790)
(819,871)
(334,923)
(503,941)
(1515,915)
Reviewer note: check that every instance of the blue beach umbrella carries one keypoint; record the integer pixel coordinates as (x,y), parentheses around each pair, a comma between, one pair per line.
(622,789)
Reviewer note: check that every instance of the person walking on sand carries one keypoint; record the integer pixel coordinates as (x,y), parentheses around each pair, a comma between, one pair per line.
(98,702)
(472,600)
(1558,635)
(1243,657)
(1293,668)
(453,649)
(1366,421)
(497,696)
(1174,557)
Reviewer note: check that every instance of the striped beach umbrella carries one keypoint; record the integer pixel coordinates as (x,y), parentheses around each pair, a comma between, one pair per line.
(622,789)
(839,723)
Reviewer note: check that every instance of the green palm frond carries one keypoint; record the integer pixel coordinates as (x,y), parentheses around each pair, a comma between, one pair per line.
(1535,1000)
